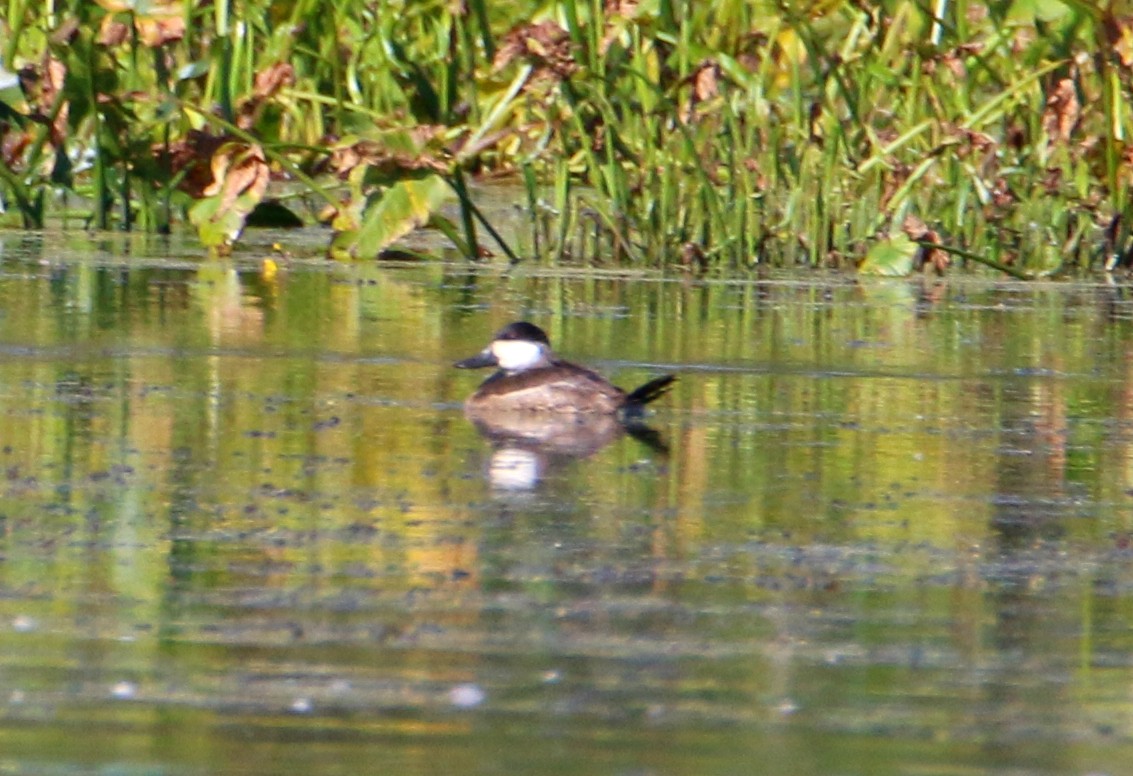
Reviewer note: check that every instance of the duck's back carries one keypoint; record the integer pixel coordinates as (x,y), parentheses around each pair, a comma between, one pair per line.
(560,387)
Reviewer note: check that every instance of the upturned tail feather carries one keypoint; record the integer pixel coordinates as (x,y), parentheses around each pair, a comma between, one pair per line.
(651,391)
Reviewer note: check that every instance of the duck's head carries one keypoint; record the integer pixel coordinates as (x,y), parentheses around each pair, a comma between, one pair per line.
(516,347)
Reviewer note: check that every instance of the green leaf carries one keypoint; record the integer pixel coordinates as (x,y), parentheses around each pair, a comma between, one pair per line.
(217,229)
(891,257)
(402,208)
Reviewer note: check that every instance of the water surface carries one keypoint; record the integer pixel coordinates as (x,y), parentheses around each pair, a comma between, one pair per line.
(245,526)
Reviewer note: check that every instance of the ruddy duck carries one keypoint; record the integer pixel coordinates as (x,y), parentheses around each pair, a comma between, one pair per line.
(531,378)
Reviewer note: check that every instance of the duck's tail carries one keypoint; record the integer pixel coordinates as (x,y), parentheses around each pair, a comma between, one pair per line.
(651,391)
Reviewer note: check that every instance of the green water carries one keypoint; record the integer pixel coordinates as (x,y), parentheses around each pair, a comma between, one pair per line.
(245,526)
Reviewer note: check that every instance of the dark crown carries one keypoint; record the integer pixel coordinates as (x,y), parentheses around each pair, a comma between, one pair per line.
(522,330)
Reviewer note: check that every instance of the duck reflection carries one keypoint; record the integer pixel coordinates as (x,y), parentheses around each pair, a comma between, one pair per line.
(526,446)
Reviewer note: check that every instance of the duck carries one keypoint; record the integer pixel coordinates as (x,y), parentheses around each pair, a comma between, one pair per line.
(529,377)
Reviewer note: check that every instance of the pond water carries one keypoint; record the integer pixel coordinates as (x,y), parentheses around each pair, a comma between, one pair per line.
(886,527)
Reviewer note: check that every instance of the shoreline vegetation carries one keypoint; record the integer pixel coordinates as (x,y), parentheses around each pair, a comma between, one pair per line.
(889,137)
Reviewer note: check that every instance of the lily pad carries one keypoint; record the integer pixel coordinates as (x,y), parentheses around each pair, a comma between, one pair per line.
(390,215)
(891,257)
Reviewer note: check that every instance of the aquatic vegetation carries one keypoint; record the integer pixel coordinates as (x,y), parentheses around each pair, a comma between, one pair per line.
(664,132)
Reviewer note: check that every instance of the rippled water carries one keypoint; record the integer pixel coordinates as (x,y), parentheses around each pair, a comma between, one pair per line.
(245,527)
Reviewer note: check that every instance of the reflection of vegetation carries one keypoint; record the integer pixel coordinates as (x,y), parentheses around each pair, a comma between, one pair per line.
(813,410)
(703,132)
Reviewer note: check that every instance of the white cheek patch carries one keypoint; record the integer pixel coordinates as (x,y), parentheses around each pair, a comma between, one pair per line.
(515,355)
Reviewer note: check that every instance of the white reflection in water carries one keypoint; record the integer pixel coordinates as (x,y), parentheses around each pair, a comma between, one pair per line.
(514,469)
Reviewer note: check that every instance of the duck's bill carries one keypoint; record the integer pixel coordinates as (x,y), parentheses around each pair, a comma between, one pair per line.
(478,361)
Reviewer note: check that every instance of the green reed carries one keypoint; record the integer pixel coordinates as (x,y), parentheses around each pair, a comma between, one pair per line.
(723,133)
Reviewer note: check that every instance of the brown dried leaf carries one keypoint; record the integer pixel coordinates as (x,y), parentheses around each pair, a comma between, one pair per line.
(112,32)
(1118,31)
(1052,180)
(423,133)
(885,135)
(155,31)
(752,165)
(618,15)
(192,154)
(546,45)
(971,142)
(979,142)
(238,168)
(271,79)
(940,260)
(42,86)
(976,13)
(268,83)
(749,61)
(1023,39)
(705,81)
(693,257)
(65,33)
(1062,111)
(460,146)
(12,147)
(369,153)
(956,65)
(622,8)
(56,75)
(1001,194)
(916,229)
(956,59)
